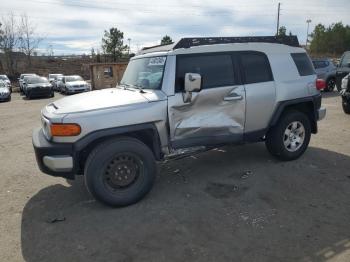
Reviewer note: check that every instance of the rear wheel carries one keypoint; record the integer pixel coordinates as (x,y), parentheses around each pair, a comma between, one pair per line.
(346,105)
(120,171)
(289,138)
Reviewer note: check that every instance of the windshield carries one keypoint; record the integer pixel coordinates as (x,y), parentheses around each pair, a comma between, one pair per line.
(3,78)
(73,78)
(36,80)
(146,73)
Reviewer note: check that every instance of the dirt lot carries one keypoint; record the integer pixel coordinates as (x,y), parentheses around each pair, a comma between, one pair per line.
(201,209)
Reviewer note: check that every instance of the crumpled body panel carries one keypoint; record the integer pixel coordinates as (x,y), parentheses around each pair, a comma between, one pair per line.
(207,115)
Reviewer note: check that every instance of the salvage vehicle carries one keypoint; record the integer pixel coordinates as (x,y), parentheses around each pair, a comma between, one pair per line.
(325,69)
(343,69)
(345,94)
(7,81)
(196,94)
(37,86)
(22,82)
(5,93)
(74,84)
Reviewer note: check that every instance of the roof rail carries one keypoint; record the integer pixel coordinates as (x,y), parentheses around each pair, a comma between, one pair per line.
(198,41)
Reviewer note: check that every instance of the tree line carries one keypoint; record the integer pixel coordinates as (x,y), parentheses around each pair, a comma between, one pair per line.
(113,45)
(17,34)
(334,39)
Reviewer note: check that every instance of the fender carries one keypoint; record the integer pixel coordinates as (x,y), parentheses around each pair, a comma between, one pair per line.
(85,141)
(281,106)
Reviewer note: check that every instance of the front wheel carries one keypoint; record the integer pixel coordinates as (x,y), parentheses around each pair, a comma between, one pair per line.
(120,172)
(289,138)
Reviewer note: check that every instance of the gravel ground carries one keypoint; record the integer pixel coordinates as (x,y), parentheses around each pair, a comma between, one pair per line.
(230,204)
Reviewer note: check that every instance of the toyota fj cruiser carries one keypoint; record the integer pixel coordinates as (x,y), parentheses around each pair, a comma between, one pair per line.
(194,94)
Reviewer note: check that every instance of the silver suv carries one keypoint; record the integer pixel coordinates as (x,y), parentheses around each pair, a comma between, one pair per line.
(194,94)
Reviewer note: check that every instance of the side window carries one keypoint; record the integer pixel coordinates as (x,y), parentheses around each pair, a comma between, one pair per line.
(345,60)
(255,68)
(216,70)
(108,72)
(303,64)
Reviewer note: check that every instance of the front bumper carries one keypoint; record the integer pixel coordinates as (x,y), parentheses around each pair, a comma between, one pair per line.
(5,97)
(38,91)
(55,159)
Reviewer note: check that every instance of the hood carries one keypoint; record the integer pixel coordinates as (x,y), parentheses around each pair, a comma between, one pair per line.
(105,98)
(73,83)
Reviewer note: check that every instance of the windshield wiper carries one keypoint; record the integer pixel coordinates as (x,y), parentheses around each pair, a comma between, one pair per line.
(132,86)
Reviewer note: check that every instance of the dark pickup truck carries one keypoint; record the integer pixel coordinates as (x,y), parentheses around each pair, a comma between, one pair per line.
(343,69)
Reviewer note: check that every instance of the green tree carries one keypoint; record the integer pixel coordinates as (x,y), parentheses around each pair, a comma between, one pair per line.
(112,43)
(282,31)
(166,40)
(335,39)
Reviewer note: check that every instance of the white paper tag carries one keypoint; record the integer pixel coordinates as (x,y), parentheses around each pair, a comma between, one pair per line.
(157,61)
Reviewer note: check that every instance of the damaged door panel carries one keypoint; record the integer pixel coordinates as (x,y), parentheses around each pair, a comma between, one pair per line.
(213,115)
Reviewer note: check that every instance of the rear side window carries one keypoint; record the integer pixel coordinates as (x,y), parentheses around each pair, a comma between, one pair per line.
(255,68)
(216,70)
(303,64)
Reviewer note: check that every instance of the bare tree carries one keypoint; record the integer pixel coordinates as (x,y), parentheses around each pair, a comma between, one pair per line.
(9,41)
(29,40)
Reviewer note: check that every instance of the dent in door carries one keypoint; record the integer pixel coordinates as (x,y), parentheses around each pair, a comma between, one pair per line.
(207,115)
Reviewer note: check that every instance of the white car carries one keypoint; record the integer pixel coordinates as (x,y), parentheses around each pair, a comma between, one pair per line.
(7,81)
(74,84)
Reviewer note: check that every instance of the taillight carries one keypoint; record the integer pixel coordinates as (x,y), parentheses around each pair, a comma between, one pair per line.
(320,84)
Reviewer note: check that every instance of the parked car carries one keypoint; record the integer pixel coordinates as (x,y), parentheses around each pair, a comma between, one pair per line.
(21,79)
(53,80)
(345,94)
(325,69)
(74,84)
(343,69)
(219,91)
(59,84)
(7,81)
(38,86)
(5,93)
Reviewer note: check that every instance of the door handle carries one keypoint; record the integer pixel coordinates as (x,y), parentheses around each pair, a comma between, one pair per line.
(233,97)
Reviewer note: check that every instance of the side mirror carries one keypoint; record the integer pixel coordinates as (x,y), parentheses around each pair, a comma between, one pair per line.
(192,82)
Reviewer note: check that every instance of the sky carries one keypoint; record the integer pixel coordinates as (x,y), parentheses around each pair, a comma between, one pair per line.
(76,26)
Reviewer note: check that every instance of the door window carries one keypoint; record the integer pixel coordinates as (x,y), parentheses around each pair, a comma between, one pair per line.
(216,70)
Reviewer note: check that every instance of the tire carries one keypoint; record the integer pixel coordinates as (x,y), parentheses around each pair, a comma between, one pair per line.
(346,105)
(52,94)
(108,166)
(330,85)
(277,139)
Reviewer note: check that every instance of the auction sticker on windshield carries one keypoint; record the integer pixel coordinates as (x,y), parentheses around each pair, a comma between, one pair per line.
(157,61)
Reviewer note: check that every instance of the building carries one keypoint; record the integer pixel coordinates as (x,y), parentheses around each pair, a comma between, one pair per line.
(106,75)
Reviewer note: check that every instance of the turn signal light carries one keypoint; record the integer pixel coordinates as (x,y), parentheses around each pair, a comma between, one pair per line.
(320,84)
(65,129)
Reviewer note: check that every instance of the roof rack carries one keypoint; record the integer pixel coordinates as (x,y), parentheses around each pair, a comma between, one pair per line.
(198,41)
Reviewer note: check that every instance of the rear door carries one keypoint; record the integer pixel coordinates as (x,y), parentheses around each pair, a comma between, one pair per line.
(215,114)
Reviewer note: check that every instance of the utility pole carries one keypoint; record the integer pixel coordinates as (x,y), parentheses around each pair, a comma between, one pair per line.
(307,32)
(278,18)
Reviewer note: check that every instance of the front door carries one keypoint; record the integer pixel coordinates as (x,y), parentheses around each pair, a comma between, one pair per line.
(215,114)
